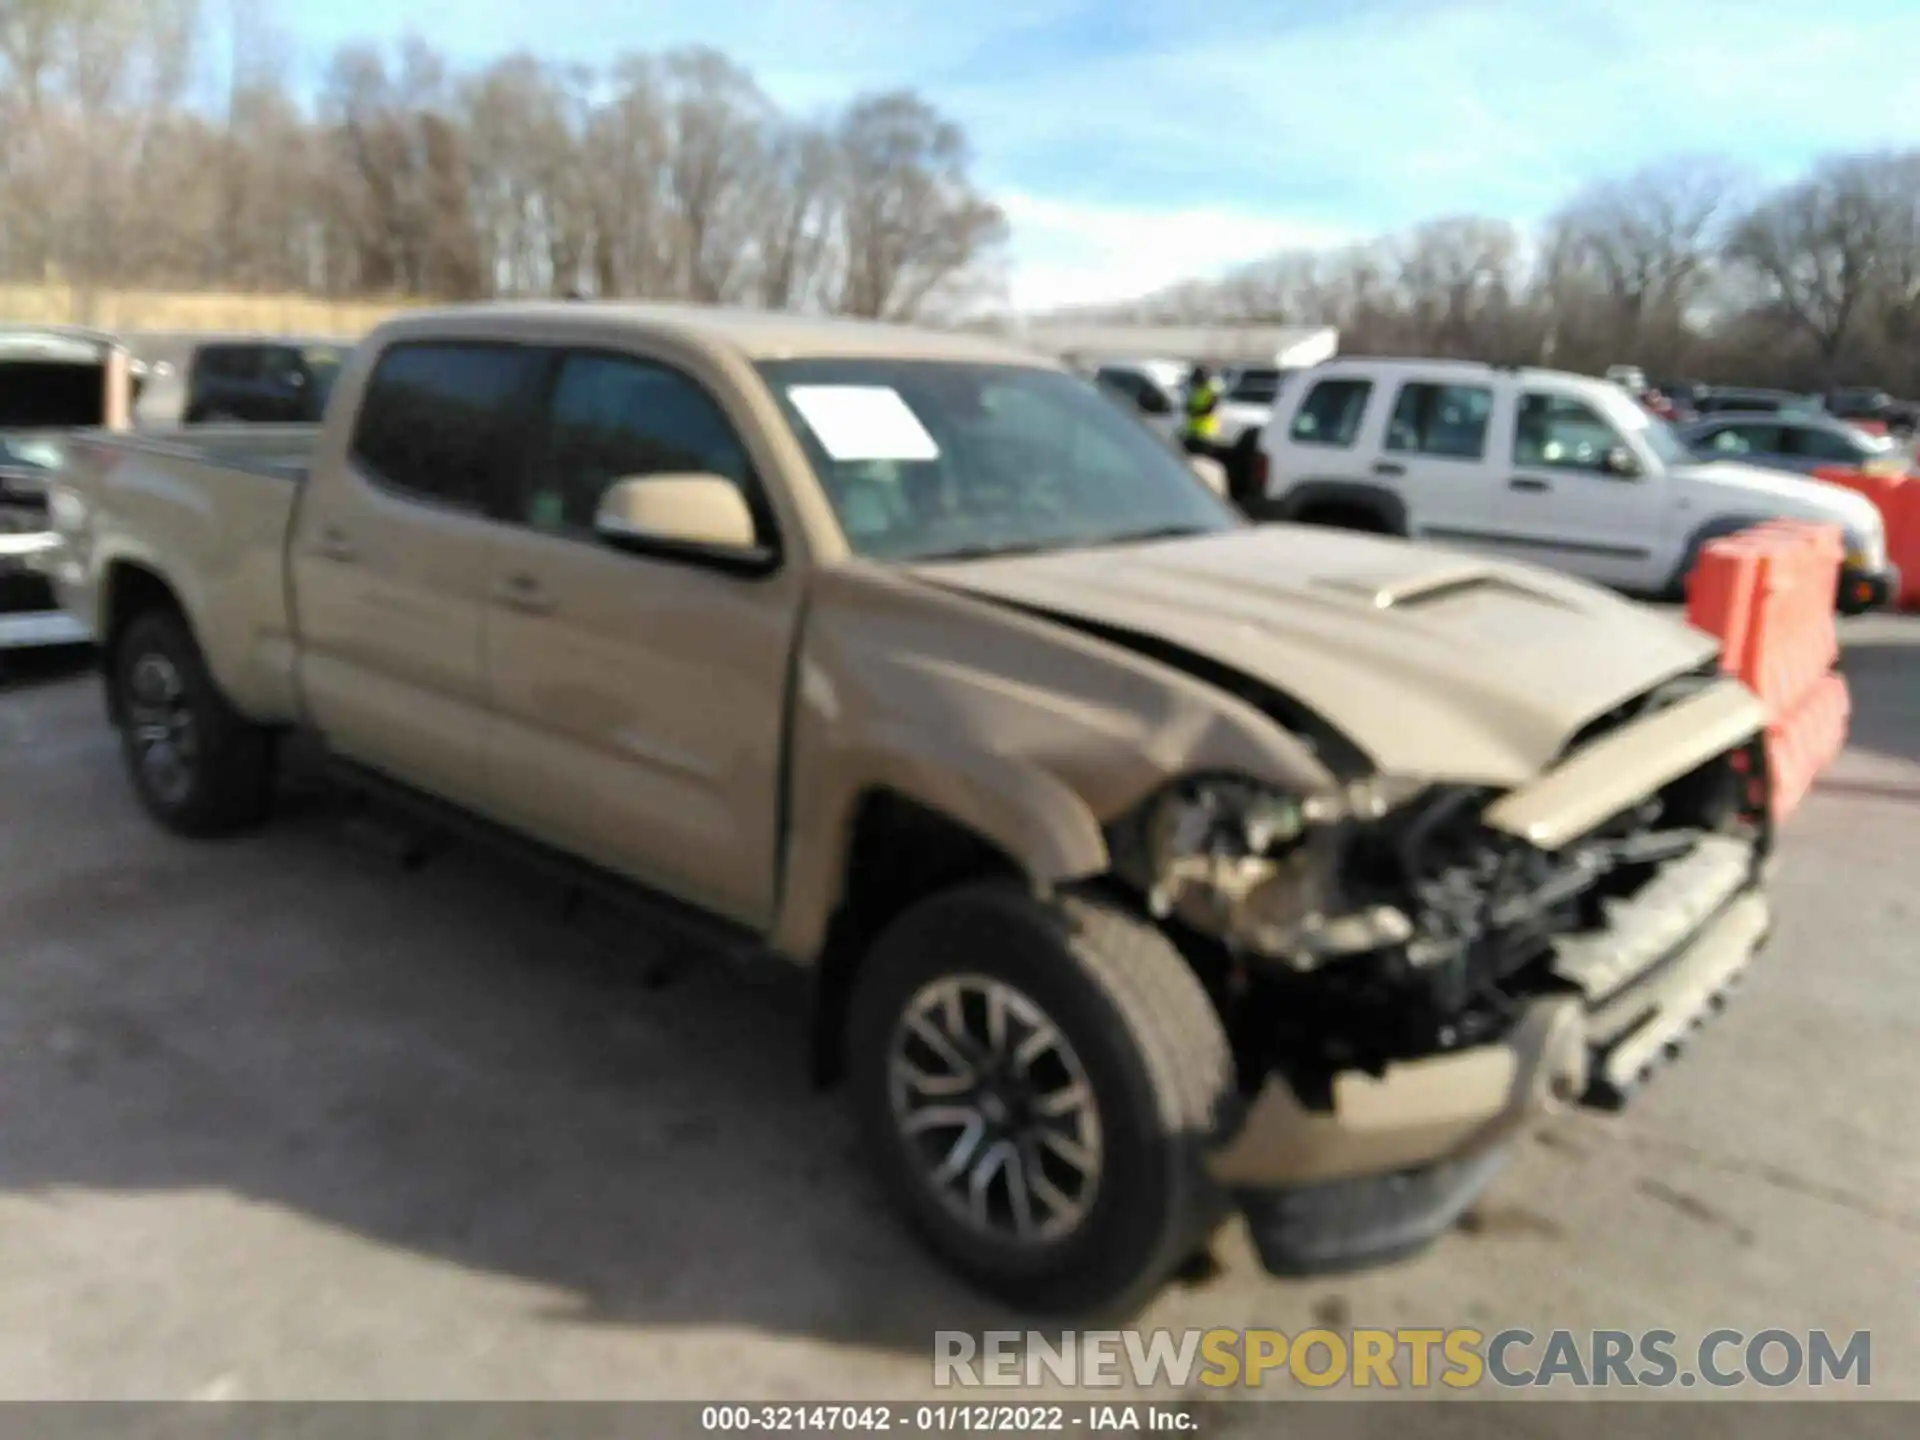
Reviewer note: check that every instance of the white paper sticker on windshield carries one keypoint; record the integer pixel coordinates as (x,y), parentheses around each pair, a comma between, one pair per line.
(863,422)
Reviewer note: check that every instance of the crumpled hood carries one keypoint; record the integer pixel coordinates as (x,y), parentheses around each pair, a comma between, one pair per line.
(1791,496)
(1433,663)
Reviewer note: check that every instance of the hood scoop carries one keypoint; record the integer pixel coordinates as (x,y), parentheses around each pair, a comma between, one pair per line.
(1402,591)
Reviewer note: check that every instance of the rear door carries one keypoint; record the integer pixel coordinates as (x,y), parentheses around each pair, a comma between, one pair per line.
(639,698)
(1316,448)
(1562,506)
(1434,452)
(390,562)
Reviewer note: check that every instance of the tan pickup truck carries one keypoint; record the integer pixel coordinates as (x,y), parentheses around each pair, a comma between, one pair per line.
(1149,863)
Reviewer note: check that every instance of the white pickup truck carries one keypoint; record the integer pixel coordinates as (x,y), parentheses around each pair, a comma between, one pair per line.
(1537,465)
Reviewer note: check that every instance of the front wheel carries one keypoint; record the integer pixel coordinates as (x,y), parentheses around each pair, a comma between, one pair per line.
(1037,1082)
(198,766)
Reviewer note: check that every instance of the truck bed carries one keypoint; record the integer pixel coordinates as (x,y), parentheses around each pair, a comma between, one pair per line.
(209,508)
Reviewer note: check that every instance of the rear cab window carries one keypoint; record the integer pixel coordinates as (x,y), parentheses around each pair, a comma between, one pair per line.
(439,421)
(1331,413)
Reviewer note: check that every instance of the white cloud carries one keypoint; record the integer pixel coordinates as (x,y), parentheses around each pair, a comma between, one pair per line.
(1173,140)
(1071,254)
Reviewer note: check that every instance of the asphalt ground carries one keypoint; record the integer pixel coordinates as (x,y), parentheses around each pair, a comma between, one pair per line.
(280,1119)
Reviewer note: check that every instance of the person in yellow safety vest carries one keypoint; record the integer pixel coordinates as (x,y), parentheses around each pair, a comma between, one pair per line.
(1203,411)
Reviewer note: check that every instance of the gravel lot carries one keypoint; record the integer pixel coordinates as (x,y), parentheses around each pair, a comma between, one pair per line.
(277,1120)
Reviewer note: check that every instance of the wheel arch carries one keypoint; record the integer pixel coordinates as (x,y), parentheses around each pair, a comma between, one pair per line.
(128,589)
(899,850)
(1301,501)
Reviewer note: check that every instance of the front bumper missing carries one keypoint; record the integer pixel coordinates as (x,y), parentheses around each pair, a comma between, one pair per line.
(1397,1158)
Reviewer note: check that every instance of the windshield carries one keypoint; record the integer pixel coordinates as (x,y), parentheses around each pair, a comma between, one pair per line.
(1661,438)
(927,460)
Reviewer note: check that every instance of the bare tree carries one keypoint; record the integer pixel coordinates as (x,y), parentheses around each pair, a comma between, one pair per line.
(1817,248)
(717,118)
(1650,239)
(798,225)
(914,222)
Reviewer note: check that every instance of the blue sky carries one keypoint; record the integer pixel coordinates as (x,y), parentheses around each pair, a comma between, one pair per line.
(1134,142)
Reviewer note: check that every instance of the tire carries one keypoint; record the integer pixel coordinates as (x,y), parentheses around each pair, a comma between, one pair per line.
(1345,517)
(198,767)
(1240,467)
(1137,1032)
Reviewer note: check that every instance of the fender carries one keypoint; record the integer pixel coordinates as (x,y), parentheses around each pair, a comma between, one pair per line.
(1717,527)
(1376,500)
(1017,807)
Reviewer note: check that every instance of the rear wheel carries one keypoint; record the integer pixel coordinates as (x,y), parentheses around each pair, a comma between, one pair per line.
(1345,517)
(1036,1083)
(198,766)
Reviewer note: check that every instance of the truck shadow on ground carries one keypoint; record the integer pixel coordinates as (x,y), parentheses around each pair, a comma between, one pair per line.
(439,1062)
(442,1062)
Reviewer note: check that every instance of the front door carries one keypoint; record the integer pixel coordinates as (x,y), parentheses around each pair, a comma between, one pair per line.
(1563,506)
(390,565)
(639,700)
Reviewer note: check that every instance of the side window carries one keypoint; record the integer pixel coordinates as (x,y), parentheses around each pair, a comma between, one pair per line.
(282,366)
(1449,421)
(227,362)
(1125,381)
(433,421)
(1331,413)
(1560,433)
(1729,441)
(615,416)
(1822,445)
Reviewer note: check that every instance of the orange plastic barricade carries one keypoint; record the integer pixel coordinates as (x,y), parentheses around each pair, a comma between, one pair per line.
(1791,641)
(1805,741)
(1897,498)
(1720,591)
(1902,512)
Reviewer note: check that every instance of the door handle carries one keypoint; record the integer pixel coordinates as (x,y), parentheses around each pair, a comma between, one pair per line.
(1388,467)
(1529,482)
(334,545)
(523,593)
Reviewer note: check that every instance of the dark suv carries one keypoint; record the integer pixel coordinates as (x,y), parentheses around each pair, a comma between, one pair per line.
(262,381)
(1866,404)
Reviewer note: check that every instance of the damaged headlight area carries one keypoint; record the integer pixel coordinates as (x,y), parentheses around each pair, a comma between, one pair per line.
(1261,870)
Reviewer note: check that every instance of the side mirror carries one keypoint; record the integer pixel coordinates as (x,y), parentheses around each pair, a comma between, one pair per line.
(1621,464)
(698,514)
(1211,472)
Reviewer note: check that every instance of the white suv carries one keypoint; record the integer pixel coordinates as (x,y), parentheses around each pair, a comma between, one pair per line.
(1563,470)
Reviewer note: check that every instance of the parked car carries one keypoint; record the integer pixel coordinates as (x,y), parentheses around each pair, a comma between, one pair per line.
(1798,443)
(1148,862)
(1874,407)
(1534,465)
(53,380)
(261,381)
(1246,405)
(1713,399)
(1630,378)
(1153,389)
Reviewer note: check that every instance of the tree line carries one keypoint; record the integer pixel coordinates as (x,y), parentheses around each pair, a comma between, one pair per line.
(1685,268)
(669,176)
(159,144)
